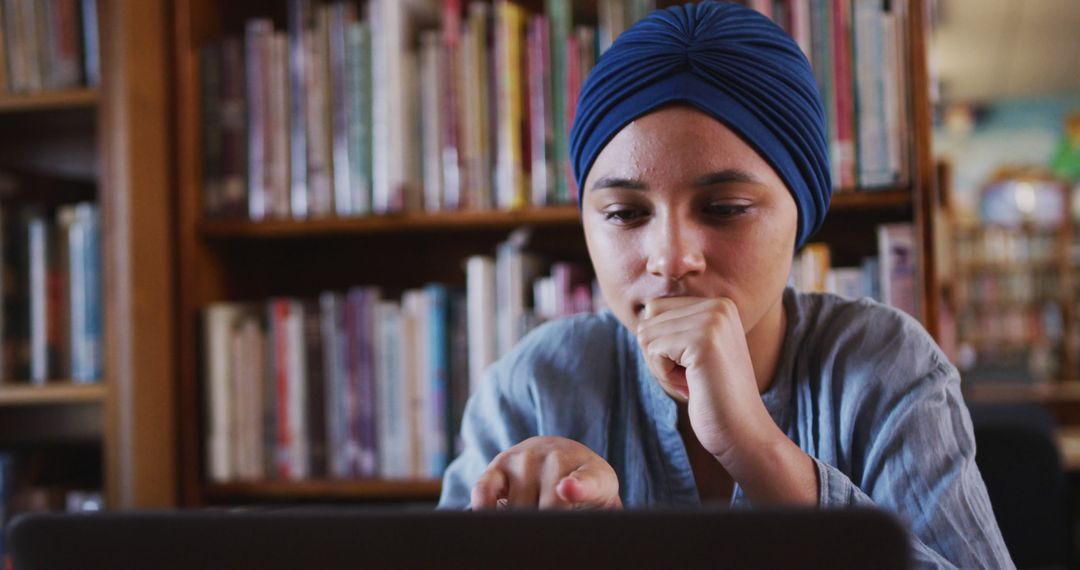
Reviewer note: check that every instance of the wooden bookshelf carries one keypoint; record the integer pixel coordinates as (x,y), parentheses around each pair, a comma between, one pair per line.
(328,490)
(117,136)
(48,100)
(871,200)
(52,393)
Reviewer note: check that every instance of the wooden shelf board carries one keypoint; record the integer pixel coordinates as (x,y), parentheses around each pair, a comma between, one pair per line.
(48,100)
(361,489)
(870,200)
(390,224)
(54,392)
(473,219)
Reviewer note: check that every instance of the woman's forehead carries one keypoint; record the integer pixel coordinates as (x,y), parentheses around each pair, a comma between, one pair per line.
(675,141)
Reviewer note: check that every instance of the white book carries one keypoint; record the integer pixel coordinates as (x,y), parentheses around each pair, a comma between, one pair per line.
(433,102)
(341,15)
(297,409)
(846,282)
(898,266)
(393,405)
(414,308)
(248,374)
(219,390)
(39,246)
(319,158)
(256,55)
(480,307)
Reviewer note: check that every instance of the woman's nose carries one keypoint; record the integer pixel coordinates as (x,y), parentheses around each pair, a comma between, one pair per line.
(675,251)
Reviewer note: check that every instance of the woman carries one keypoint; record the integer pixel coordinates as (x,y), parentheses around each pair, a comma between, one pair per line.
(700,153)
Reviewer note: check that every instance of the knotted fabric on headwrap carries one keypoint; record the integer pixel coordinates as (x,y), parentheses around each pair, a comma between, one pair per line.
(730,62)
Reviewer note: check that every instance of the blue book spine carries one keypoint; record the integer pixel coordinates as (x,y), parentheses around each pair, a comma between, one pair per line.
(92,365)
(439,361)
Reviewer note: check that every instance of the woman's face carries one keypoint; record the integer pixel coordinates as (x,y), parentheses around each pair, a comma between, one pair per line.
(678,205)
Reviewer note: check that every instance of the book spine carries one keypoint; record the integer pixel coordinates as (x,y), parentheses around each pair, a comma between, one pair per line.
(90,47)
(38,241)
(459,369)
(359,72)
(481,309)
(364,300)
(218,390)
(432,124)
(334,367)
(452,114)
(299,15)
(315,392)
(5,81)
(280,310)
(539,74)
(436,413)
(898,260)
(233,200)
(414,368)
(255,51)
(210,76)
(558,12)
(341,16)
(277,140)
(319,144)
(842,83)
(250,373)
(93,358)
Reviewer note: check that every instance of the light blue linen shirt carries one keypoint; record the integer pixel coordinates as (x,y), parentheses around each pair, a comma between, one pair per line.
(860,387)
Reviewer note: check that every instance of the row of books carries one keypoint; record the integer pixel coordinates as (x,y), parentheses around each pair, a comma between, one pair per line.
(52,321)
(393,107)
(890,277)
(995,246)
(349,113)
(357,385)
(989,291)
(48,44)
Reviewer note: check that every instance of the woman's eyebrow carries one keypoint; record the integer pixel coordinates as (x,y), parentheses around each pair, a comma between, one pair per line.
(616,182)
(727,176)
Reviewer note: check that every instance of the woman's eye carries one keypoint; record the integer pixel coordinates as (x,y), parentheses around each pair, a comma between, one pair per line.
(726,210)
(624,216)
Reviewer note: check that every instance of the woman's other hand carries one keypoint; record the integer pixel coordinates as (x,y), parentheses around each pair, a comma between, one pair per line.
(549,473)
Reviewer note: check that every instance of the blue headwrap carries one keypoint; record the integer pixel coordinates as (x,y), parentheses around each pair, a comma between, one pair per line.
(730,62)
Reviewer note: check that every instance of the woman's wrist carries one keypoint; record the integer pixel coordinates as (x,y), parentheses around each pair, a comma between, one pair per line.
(772,470)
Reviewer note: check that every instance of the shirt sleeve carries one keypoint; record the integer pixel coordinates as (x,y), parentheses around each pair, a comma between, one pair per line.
(498,416)
(920,464)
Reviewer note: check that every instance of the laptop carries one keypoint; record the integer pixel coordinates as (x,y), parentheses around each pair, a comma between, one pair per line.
(704,538)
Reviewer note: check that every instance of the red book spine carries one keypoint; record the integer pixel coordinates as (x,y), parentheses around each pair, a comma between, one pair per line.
(280,311)
(842,82)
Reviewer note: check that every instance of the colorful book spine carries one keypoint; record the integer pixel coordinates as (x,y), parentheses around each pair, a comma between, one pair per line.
(276,167)
(318,89)
(844,94)
(341,15)
(256,41)
(335,368)
(437,413)
(432,95)
(540,127)
(358,61)
(898,258)
(559,15)
(453,112)
(299,18)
